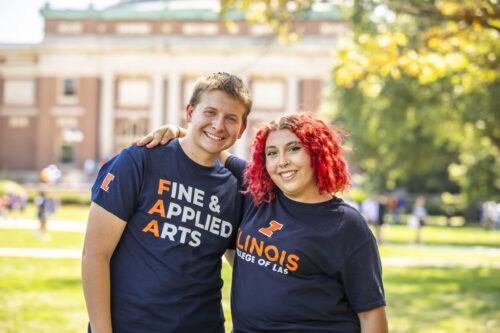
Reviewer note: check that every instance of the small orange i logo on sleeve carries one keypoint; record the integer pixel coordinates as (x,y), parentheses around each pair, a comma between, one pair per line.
(106,181)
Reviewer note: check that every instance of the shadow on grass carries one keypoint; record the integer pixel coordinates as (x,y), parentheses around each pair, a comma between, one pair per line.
(448,299)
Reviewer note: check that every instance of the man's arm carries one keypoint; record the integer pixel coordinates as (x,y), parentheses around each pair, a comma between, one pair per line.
(103,233)
(374,321)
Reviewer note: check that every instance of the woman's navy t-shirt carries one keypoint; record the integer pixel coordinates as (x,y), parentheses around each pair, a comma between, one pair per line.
(303,267)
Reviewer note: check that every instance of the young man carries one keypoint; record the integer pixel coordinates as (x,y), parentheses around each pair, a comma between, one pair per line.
(161,219)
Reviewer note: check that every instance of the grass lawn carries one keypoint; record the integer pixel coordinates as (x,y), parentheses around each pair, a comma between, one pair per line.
(425,299)
(41,295)
(45,295)
(24,238)
(76,213)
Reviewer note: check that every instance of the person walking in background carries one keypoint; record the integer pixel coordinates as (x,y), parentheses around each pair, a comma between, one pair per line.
(401,208)
(373,211)
(23,202)
(43,205)
(392,209)
(382,208)
(3,205)
(418,217)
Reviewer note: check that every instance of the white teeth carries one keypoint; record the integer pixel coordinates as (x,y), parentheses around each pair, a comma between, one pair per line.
(287,174)
(214,136)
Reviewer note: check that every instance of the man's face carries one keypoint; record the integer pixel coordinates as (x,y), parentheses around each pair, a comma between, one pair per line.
(216,123)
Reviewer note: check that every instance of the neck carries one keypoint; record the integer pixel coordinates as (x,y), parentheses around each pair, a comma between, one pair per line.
(197,156)
(310,199)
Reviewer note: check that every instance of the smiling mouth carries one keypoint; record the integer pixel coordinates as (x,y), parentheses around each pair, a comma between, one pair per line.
(288,174)
(215,137)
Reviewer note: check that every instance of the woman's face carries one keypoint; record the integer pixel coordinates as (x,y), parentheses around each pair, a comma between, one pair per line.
(289,165)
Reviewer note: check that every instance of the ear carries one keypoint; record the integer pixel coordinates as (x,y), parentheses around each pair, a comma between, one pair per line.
(243,127)
(189,112)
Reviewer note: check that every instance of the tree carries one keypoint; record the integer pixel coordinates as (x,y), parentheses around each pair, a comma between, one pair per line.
(436,64)
(416,85)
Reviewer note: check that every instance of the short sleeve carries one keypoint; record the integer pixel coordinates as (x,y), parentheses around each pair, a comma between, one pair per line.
(362,277)
(117,185)
(237,166)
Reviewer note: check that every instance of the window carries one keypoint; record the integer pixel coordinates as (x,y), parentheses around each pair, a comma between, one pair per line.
(68,91)
(19,92)
(67,153)
(268,94)
(18,122)
(133,93)
(128,130)
(69,87)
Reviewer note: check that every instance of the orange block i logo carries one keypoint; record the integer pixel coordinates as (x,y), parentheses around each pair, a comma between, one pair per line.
(106,181)
(273,226)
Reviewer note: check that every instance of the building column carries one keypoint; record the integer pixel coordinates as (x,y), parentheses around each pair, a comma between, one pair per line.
(241,146)
(156,112)
(174,99)
(106,117)
(292,101)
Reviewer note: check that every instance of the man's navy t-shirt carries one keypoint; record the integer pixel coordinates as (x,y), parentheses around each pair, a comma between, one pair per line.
(181,217)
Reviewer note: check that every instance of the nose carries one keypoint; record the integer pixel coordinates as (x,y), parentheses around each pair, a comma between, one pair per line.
(283,161)
(218,122)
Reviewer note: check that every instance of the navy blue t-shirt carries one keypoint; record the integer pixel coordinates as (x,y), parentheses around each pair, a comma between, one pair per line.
(181,217)
(303,267)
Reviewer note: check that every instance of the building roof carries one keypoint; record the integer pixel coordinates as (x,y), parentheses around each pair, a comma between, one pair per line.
(208,10)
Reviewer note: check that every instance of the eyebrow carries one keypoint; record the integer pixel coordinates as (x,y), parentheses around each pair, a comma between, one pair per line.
(212,108)
(288,144)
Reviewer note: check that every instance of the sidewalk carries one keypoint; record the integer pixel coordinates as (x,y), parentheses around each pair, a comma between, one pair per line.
(72,226)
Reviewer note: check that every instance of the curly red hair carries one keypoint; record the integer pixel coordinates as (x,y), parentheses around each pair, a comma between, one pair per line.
(323,143)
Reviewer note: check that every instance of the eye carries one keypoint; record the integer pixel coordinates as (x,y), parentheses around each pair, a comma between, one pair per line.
(295,148)
(232,119)
(271,153)
(209,112)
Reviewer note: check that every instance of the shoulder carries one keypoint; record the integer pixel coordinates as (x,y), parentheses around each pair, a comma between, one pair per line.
(223,171)
(140,153)
(237,166)
(353,223)
(135,150)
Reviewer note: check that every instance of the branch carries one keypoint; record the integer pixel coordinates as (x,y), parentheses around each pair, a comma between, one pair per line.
(468,15)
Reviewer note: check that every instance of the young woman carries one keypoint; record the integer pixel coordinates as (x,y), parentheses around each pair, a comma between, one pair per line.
(305,260)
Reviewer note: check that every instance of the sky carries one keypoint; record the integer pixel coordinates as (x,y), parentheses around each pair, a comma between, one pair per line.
(21,22)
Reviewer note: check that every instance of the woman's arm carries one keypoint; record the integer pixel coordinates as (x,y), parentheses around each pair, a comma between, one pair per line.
(161,135)
(223,156)
(229,254)
(373,321)
(164,134)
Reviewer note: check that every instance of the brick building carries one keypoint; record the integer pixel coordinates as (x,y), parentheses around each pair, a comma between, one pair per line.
(101,78)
